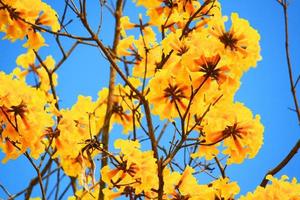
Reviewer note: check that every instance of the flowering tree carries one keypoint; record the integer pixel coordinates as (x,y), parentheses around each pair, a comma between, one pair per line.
(179,70)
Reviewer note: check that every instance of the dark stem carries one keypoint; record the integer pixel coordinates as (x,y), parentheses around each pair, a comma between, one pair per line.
(112,78)
(282,164)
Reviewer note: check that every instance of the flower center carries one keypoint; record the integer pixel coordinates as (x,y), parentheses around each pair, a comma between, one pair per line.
(233,131)
(209,67)
(20,110)
(174,93)
(183,49)
(229,40)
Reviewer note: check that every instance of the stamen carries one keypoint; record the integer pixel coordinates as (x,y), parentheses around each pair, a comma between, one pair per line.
(229,40)
(174,93)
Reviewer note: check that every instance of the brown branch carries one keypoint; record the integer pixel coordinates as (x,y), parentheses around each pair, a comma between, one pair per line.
(294,150)
(284,5)
(39,176)
(145,102)
(110,100)
(5,191)
(163,130)
(35,180)
(282,164)
(65,56)
(220,166)
(49,73)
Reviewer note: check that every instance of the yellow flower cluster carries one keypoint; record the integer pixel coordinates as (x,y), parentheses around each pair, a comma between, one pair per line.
(125,106)
(195,71)
(189,75)
(279,189)
(77,142)
(20,107)
(133,170)
(234,124)
(74,136)
(185,186)
(26,62)
(19,18)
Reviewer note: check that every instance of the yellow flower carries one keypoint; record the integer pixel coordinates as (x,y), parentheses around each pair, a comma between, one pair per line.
(49,18)
(134,169)
(185,186)
(180,46)
(211,69)
(225,189)
(45,85)
(123,104)
(125,25)
(234,124)
(278,189)
(75,142)
(240,42)
(209,152)
(35,198)
(15,15)
(170,15)
(15,31)
(35,40)
(25,60)
(148,3)
(145,66)
(170,92)
(125,45)
(20,106)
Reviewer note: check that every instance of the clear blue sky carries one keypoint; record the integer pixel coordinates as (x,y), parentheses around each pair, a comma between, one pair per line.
(264,89)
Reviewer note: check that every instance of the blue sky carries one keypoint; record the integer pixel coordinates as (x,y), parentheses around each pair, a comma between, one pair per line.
(265,89)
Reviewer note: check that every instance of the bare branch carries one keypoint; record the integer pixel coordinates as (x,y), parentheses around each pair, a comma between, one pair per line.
(288,59)
(282,164)
(110,98)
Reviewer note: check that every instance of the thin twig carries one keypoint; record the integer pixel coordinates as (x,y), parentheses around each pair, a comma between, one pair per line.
(288,59)
(282,164)
(40,180)
(220,166)
(110,98)
(5,191)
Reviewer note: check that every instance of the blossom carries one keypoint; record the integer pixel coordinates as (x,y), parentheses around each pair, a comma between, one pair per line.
(240,42)
(125,24)
(123,104)
(27,62)
(124,46)
(133,171)
(225,189)
(20,106)
(170,92)
(75,142)
(278,189)
(212,69)
(35,40)
(17,17)
(148,3)
(235,125)
(185,186)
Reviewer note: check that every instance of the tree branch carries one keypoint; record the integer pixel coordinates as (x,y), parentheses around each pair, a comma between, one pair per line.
(282,164)
(284,5)
(110,98)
